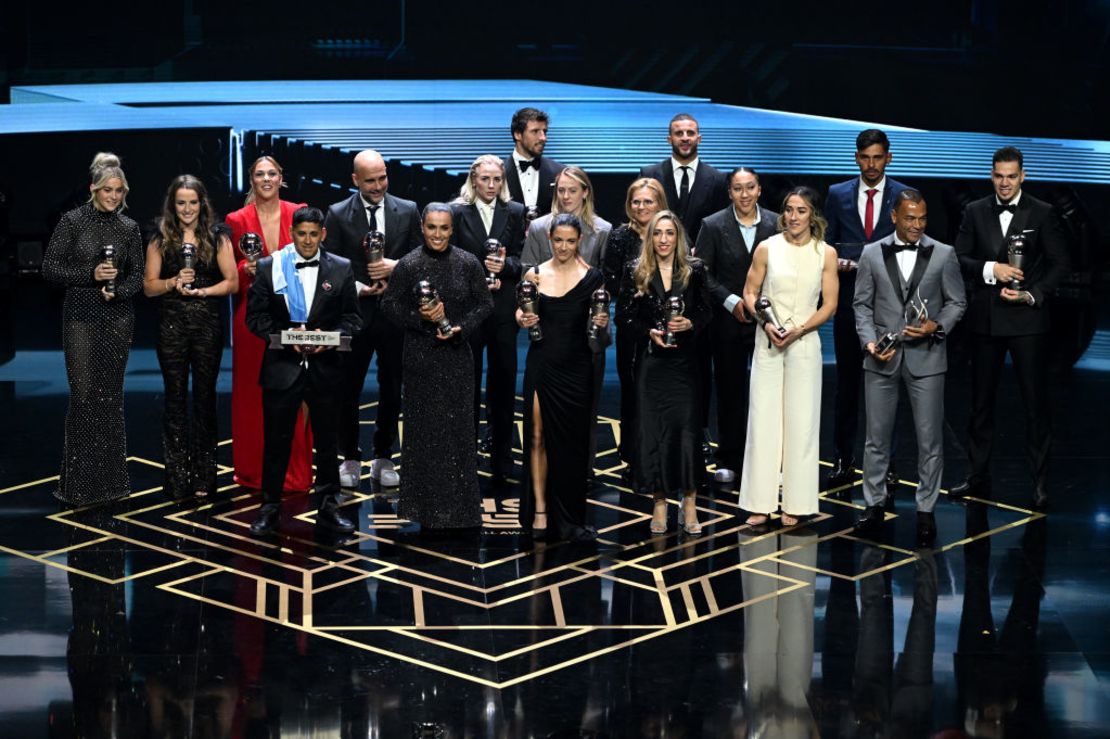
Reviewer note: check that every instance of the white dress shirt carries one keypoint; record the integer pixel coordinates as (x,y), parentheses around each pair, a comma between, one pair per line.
(861,202)
(676,167)
(529,179)
(907,259)
(308,276)
(485,210)
(1004,219)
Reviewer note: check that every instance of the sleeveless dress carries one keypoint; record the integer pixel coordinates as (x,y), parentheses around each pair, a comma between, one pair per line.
(784,411)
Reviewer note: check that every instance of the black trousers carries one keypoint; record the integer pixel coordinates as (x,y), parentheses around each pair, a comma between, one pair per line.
(732,343)
(849,377)
(1030,358)
(706,366)
(279,418)
(379,336)
(626,352)
(497,338)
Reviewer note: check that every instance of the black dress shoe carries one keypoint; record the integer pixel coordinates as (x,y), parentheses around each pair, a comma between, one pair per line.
(267,521)
(329,517)
(870,524)
(841,473)
(926,528)
(970,489)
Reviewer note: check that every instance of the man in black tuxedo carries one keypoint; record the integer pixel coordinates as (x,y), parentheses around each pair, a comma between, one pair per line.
(694,188)
(1004,319)
(858,213)
(529,175)
(301,286)
(482,212)
(372,208)
(725,244)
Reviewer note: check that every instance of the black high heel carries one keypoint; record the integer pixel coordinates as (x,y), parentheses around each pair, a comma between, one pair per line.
(537,532)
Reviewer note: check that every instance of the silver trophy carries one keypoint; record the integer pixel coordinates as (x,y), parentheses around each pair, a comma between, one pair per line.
(429,298)
(527,295)
(250,244)
(765,313)
(916,312)
(108,257)
(493,249)
(1015,254)
(599,306)
(373,246)
(189,256)
(673,307)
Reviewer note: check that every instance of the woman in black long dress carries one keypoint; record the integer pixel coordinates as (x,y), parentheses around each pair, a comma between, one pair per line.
(667,380)
(645,198)
(439,487)
(558,387)
(97,324)
(190,333)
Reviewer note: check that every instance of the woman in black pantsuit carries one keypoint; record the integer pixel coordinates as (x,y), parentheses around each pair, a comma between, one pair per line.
(667,379)
(190,335)
(97,323)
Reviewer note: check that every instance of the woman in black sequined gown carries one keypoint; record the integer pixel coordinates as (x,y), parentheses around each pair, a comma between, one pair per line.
(559,388)
(669,458)
(96,333)
(439,485)
(190,334)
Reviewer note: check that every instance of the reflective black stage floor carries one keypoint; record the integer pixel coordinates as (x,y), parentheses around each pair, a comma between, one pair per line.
(152,618)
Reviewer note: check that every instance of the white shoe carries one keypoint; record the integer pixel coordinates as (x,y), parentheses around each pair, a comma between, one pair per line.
(382,471)
(724,475)
(349,474)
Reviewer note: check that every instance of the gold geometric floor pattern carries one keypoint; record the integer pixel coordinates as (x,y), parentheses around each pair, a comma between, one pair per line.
(495,609)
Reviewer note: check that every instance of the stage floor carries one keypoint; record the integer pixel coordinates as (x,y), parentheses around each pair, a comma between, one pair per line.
(152,618)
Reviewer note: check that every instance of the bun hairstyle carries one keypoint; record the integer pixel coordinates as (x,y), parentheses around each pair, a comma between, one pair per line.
(105,166)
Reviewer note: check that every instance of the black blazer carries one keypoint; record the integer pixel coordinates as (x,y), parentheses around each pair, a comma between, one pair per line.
(508,228)
(638,313)
(347,224)
(708,194)
(334,308)
(980,240)
(726,257)
(549,170)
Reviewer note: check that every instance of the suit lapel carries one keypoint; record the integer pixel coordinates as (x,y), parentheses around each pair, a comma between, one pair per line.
(853,208)
(891,263)
(924,254)
(472,221)
(318,295)
(1021,217)
(657,286)
(497,225)
(768,226)
(512,178)
(668,184)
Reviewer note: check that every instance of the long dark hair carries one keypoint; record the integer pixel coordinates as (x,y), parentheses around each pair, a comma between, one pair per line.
(171,232)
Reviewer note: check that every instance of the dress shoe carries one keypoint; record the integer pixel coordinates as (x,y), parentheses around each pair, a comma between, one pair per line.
(382,472)
(330,518)
(970,488)
(349,473)
(724,476)
(926,528)
(267,521)
(1040,498)
(870,524)
(841,473)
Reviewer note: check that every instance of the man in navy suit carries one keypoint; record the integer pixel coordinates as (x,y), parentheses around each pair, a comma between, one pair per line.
(855,212)
(529,175)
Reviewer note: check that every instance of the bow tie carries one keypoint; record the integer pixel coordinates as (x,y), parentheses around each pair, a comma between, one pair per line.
(524,165)
(905,247)
(309,263)
(999,209)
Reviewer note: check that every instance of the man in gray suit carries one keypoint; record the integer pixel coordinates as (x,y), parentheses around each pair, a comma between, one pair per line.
(897,276)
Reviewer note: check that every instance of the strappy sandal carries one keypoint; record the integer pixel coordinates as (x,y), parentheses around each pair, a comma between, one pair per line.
(657,526)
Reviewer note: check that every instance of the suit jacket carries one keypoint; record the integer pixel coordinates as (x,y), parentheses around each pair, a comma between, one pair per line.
(508,228)
(549,170)
(845,230)
(726,257)
(882,294)
(537,244)
(708,194)
(980,240)
(347,223)
(334,308)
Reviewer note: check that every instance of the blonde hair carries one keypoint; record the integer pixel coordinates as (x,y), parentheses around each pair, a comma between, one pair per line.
(467,193)
(583,179)
(254,166)
(817,222)
(105,166)
(648,263)
(656,189)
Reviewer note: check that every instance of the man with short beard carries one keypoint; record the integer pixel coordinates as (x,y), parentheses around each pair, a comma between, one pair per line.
(530,175)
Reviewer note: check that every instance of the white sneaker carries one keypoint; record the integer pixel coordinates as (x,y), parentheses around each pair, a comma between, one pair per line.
(349,474)
(724,475)
(382,471)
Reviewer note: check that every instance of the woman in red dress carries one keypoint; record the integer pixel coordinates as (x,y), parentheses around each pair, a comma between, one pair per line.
(271,218)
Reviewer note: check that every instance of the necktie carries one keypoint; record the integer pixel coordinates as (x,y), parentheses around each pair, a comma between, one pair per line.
(524,165)
(373,217)
(684,188)
(309,263)
(869,215)
(1000,208)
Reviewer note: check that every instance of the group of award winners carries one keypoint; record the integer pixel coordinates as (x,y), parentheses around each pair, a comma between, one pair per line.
(713,291)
